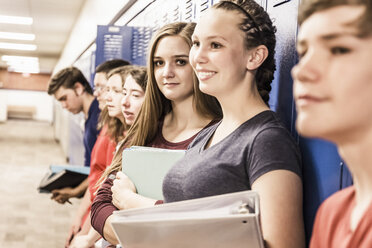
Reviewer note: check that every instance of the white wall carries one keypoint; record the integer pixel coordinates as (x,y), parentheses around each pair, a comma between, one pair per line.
(94,12)
(41,100)
(3,101)
(61,126)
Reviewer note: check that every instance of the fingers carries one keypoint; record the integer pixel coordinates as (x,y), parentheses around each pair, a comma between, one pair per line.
(120,175)
(68,239)
(55,193)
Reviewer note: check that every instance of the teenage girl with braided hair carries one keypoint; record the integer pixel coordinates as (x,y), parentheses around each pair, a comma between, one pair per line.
(249,149)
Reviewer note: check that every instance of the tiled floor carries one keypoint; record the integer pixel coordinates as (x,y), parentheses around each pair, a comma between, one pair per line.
(27,218)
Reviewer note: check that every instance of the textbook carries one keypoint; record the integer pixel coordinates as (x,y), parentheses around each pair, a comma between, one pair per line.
(224,221)
(61,176)
(147,167)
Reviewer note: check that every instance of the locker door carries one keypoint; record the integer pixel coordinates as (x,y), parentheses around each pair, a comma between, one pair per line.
(140,38)
(284,17)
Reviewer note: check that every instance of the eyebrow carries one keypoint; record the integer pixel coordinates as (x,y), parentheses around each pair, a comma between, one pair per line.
(211,37)
(329,37)
(333,36)
(139,91)
(174,56)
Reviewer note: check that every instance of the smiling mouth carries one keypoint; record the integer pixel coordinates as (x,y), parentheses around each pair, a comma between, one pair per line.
(203,75)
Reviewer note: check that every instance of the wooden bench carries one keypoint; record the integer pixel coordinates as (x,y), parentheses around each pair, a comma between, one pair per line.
(23,112)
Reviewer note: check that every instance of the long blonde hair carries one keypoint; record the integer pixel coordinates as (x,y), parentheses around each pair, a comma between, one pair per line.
(156,105)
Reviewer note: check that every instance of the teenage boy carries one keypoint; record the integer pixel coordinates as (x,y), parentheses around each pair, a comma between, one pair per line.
(332,89)
(72,90)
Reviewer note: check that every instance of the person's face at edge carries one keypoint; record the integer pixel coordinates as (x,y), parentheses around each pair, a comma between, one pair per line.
(100,82)
(132,100)
(172,70)
(333,79)
(114,95)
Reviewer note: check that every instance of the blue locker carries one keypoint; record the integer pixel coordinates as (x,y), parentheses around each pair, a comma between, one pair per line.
(140,40)
(281,97)
(113,42)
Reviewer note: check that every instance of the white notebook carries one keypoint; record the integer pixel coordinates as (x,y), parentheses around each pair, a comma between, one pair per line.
(147,167)
(224,221)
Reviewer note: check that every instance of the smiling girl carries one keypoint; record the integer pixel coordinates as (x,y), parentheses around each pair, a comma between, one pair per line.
(249,149)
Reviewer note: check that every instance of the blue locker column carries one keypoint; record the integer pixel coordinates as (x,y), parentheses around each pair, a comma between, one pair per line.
(113,42)
(140,40)
(187,10)
(200,6)
(322,176)
(284,16)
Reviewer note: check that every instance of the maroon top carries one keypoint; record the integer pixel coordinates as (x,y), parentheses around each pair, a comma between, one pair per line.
(102,206)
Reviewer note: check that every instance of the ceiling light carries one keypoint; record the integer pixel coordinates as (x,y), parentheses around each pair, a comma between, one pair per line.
(22,64)
(15,46)
(29,68)
(25,70)
(16,20)
(18,58)
(16,36)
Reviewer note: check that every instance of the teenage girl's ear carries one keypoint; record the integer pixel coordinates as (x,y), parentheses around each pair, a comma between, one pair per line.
(256,57)
(79,88)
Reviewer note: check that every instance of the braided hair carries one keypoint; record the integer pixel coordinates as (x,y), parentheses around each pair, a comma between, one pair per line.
(259,30)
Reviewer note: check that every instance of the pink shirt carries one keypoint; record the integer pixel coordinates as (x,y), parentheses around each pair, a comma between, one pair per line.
(332,223)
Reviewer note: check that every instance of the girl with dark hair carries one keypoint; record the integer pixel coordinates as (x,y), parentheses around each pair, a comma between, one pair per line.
(249,149)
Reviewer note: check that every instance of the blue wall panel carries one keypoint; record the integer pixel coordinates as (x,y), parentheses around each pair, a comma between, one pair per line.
(140,39)
(281,97)
(113,42)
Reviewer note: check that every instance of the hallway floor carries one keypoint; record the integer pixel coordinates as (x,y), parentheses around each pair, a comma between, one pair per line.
(28,218)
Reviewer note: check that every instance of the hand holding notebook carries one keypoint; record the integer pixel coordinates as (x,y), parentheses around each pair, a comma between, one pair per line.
(147,166)
(61,176)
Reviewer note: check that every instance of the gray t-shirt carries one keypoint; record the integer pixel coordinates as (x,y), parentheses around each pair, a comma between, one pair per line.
(259,145)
